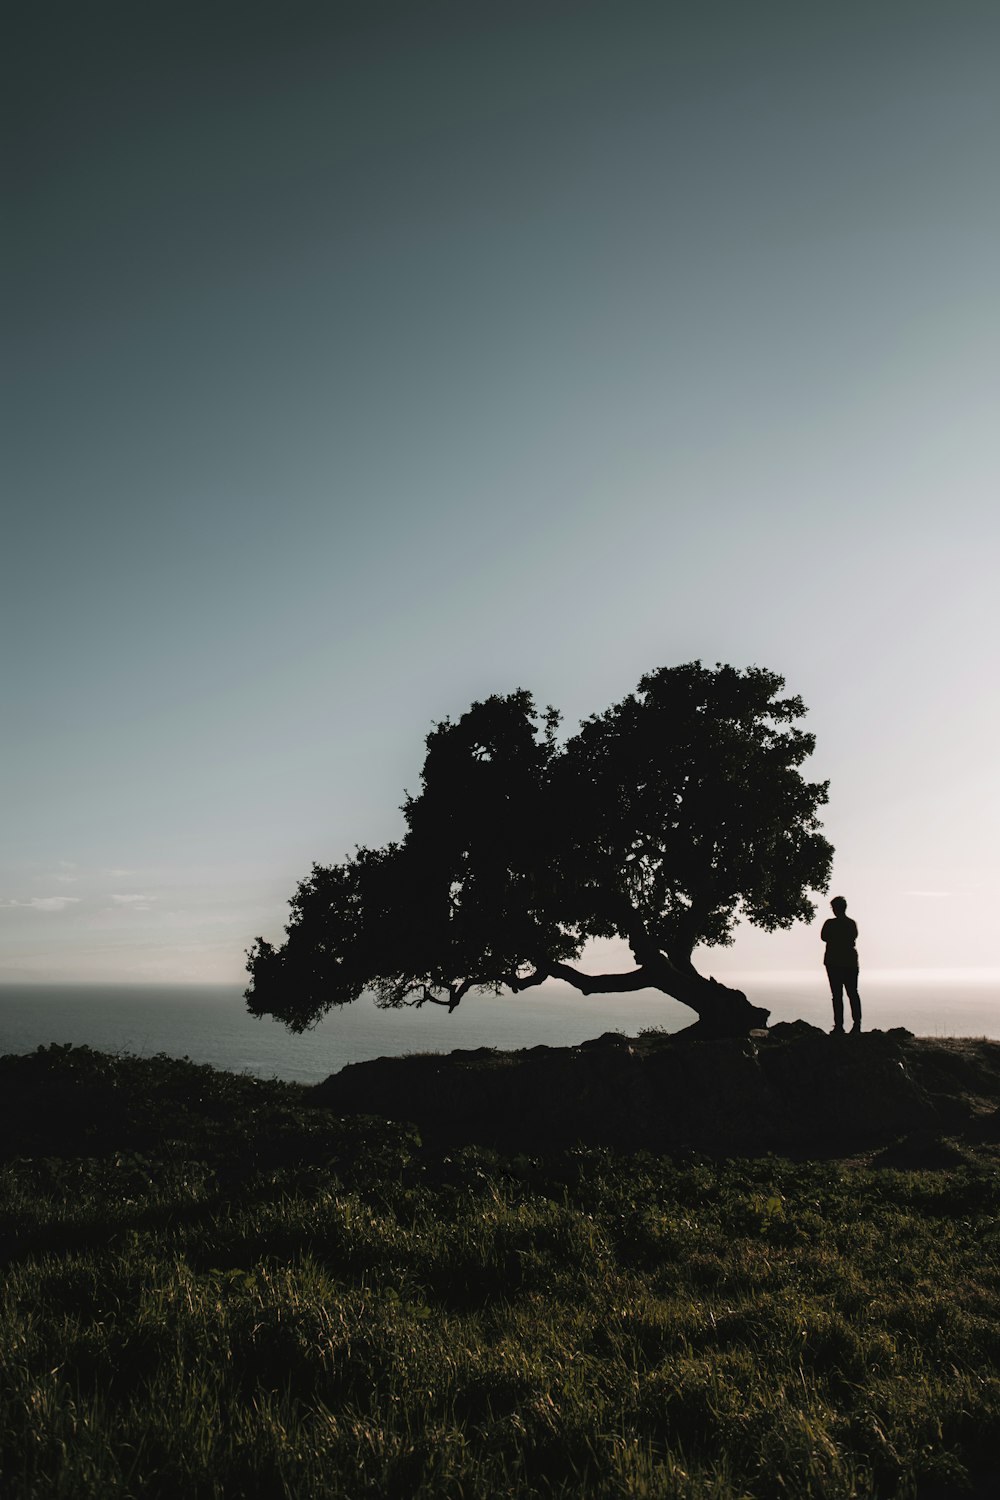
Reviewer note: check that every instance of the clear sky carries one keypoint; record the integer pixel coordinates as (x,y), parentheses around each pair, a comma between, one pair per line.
(367,359)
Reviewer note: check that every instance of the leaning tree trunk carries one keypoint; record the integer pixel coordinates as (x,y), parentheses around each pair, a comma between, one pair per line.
(721,1011)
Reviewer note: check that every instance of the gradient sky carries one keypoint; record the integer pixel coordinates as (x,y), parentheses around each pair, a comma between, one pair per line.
(366,359)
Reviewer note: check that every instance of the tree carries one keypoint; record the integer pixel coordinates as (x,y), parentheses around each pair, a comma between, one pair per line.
(662,821)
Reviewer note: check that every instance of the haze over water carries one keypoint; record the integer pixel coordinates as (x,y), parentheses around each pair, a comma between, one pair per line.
(209,1024)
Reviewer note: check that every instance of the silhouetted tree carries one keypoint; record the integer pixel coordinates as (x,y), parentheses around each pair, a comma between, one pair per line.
(663,821)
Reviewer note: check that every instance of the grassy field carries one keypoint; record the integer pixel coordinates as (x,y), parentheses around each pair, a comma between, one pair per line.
(211,1289)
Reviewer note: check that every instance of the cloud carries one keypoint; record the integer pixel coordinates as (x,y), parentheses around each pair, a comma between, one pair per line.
(134,902)
(47,903)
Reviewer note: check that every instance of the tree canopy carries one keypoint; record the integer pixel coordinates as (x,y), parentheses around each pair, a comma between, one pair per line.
(662,821)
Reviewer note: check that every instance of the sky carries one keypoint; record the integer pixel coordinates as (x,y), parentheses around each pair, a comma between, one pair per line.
(365,360)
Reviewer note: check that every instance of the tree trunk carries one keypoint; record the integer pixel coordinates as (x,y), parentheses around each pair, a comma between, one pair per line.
(721,1011)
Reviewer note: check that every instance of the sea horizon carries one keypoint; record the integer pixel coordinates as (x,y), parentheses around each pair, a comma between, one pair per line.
(209,1023)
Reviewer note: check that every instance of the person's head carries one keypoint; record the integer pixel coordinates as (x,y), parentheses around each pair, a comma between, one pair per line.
(839,906)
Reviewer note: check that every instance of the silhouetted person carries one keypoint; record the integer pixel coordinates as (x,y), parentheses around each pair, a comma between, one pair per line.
(840,934)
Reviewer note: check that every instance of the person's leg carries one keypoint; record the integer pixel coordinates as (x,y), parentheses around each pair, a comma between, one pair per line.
(836,978)
(851,982)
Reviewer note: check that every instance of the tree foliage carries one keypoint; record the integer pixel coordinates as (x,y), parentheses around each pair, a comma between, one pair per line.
(662,821)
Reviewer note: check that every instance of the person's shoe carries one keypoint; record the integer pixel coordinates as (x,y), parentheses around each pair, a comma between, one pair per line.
(856,1029)
(837,1031)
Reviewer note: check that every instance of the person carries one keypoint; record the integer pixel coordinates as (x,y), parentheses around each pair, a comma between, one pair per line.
(840,934)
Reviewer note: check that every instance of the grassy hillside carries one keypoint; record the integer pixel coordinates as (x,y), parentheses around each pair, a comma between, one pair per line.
(213,1287)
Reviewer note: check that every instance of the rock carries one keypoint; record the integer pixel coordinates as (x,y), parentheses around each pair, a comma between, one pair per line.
(795,1090)
(607,1039)
(790,1031)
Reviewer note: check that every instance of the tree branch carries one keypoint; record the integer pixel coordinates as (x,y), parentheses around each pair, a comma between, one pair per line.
(455,995)
(516,983)
(587,984)
(601,984)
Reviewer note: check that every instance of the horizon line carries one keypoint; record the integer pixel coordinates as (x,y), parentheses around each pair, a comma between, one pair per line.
(953,974)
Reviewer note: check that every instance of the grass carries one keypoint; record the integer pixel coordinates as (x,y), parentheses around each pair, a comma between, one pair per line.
(220,1292)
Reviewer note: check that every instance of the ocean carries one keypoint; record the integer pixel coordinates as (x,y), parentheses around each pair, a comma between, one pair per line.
(209,1024)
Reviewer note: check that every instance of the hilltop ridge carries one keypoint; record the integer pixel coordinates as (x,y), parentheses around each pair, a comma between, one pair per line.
(793,1090)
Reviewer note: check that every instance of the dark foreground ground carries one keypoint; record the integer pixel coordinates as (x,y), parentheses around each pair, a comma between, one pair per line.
(644,1267)
(792,1089)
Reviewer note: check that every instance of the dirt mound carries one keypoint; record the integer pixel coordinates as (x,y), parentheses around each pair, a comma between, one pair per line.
(792,1089)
